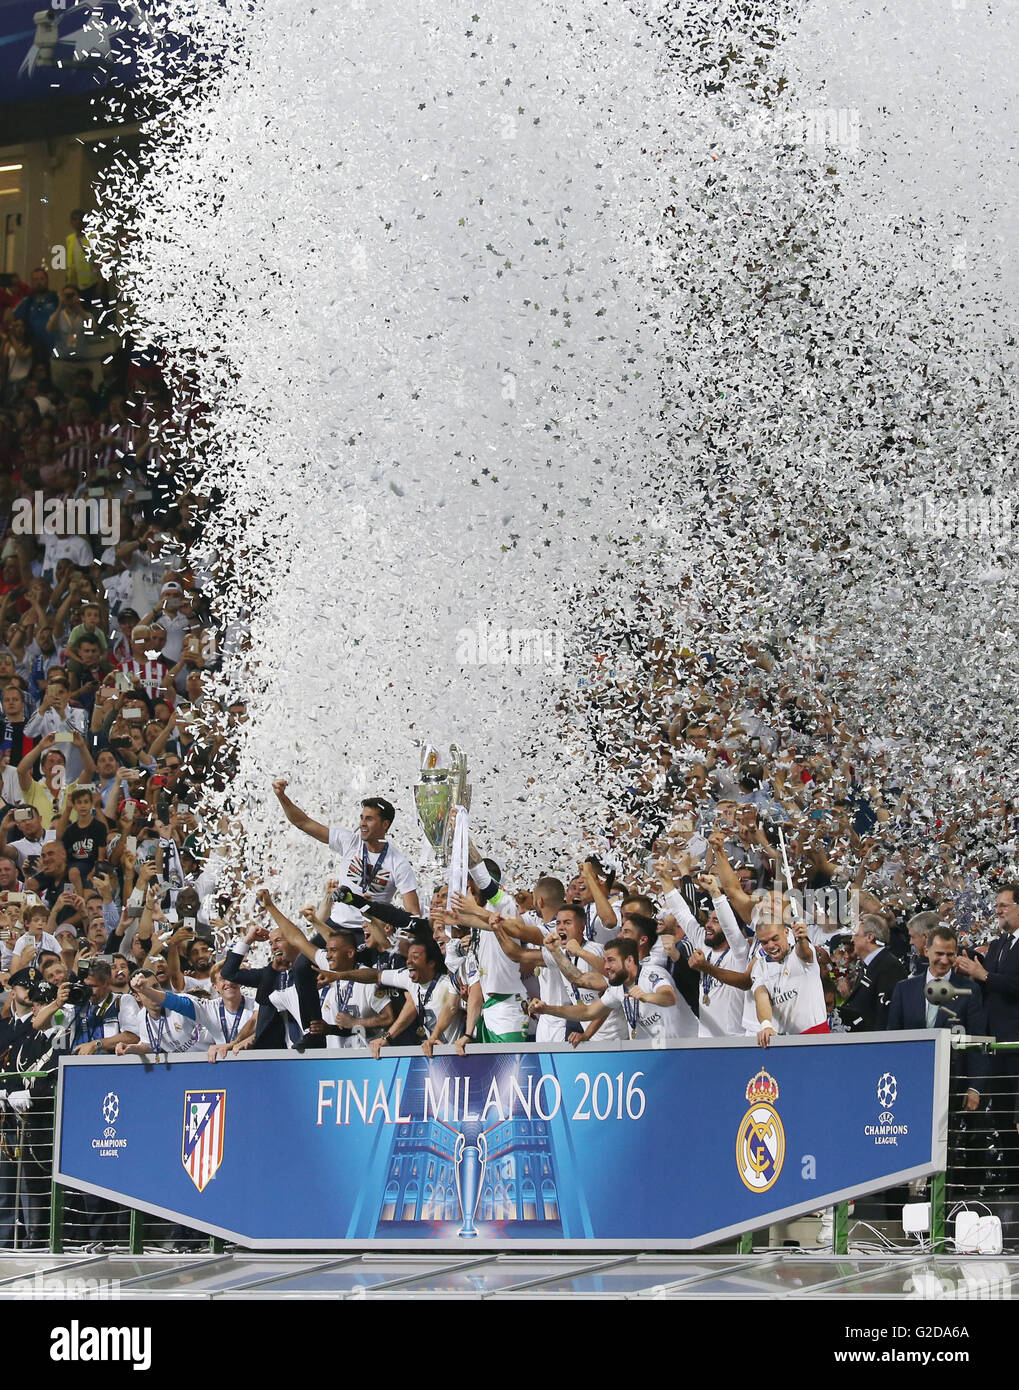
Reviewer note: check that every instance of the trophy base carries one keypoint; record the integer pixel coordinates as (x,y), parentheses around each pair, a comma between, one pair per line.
(467,1235)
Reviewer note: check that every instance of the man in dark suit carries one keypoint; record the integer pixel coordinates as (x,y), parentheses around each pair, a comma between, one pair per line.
(998,972)
(910,1009)
(286,991)
(867,1003)
(998,975)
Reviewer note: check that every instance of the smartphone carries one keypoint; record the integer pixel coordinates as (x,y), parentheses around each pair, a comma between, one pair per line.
(131,844)
(121,682)
(64,736)
(130,714)
(22,815)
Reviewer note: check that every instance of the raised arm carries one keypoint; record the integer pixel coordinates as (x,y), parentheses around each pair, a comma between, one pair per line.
(742,903)
(296,816)
(291,932)
(607,914)
(30,759)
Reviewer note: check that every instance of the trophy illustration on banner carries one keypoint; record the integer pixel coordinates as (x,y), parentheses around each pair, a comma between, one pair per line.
(443,785)
(469,1161)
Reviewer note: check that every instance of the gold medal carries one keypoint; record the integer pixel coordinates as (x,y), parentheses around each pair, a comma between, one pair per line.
(422,1032)
(633,1032)
(706,999)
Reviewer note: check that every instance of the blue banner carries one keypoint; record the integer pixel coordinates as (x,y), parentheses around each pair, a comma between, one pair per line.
(81,48)
(622,1146)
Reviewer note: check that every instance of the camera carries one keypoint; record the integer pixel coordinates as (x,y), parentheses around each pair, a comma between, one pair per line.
(42,992)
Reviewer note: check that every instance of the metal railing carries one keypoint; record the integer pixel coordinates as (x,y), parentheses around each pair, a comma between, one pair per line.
(35,1212)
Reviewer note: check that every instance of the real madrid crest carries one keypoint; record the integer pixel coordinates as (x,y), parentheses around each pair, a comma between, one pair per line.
(760,1141)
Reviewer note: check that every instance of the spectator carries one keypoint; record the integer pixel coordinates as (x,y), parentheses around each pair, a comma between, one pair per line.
(36,310)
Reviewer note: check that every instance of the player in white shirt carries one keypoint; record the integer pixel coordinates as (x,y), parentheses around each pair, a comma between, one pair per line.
(786,982)
(370,865)
(223,1023)
(431,1006)
(158,1030)
(601,919)
(568,969)
(354,1013)
(718,951)
(642,993)
(502,1013)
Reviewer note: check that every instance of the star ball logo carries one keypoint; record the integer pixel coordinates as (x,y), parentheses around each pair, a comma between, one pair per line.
(109,1146)
(760,1140)
(887,1093)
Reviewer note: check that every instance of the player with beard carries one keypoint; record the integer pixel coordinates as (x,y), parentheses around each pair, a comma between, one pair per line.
(555,959)
(719,952)
(641,992)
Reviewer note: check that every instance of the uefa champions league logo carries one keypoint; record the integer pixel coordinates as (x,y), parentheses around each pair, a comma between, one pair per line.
(886,1131)
(109,1146)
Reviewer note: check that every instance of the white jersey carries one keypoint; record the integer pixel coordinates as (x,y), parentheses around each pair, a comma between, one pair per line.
(555,988)
(217,1023)
(795,989)
(498,974)
(463,967)
(357,1001)
(377,876)
(649,1020)
(203,984)
(721,1006)
(429,999)
(170,1032)
(595,930)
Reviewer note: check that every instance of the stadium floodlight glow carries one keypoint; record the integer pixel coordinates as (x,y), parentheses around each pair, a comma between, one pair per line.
(10,168)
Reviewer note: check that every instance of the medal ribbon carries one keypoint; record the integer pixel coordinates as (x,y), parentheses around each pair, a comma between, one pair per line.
(369,874)
(228,1034)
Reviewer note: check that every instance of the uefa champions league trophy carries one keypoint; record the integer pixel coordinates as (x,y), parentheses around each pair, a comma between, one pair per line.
(469,1161)
(443,785)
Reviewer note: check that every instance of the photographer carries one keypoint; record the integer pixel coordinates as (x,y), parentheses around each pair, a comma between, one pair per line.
(97,1026)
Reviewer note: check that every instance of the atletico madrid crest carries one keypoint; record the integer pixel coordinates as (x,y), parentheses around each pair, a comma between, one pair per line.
(204,1124)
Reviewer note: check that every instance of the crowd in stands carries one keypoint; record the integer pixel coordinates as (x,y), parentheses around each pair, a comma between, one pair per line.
(763,874)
